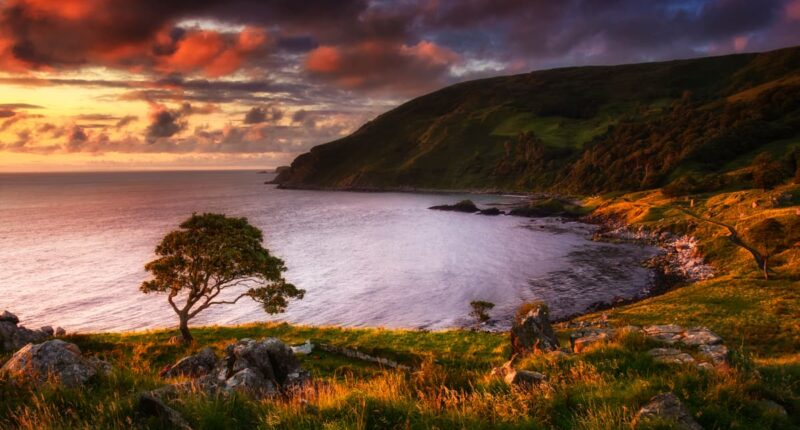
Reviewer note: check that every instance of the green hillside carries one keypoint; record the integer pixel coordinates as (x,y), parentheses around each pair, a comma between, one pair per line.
(579,129)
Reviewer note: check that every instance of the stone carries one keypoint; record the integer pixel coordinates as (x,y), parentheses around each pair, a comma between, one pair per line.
(665,408)
(36,363)
(193,366)
(14,337)
(48,330)
(533,332)
(9,317)
(270,365)
(581,341)
(717,353)
(491,212)
(671,355)
(666,333)
(466,206)
(148,405)
(630,329)
(60,332)
(700,336)
(524,378)
(705,366)
(303,349)
(773,408)
(251,381)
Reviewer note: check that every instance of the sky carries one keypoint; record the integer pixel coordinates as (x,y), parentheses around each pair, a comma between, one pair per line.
(208,84)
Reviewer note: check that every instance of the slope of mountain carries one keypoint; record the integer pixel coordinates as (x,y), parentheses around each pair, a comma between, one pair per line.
(578,129)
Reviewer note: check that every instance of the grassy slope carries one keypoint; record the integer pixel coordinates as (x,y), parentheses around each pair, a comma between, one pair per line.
(450,387)
(559,128)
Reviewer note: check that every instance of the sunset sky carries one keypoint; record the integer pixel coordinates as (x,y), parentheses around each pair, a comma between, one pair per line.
(146,84)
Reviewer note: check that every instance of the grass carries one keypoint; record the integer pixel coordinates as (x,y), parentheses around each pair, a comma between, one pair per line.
(450,385)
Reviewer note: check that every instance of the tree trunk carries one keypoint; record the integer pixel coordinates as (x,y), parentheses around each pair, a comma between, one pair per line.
(766,269)
(184,327)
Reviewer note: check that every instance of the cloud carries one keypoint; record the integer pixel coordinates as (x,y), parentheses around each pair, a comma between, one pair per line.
(125,120)
(257,115)
(165,123)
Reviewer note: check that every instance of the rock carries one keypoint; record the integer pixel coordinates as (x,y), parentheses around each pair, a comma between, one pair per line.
(14,337)
(773,408)
(533,332)
(705,366)
(466,206)
(9,317)
(251,381)
(491,212)
(700,336)
(48,330)
(60,332)
(193,366)
(148,405)
(666,408)
(524,378)
(671,355)
(666,333)
(303,349)
(717,353)
(584,340)
(270,365)
(55,358)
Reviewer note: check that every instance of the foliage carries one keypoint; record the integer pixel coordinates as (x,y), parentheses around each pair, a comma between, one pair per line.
(769,237)
(212,253)
(480,310)
(767,173)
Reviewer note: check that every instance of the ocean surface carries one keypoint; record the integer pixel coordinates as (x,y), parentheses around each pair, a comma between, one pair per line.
(73,248)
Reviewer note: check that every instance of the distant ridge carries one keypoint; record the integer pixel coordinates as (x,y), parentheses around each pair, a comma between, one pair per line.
(576,129)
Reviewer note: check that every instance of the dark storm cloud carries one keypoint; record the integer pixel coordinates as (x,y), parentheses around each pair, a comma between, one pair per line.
(165,123)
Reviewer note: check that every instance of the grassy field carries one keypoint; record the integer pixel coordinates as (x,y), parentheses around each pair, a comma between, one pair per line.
(450,385)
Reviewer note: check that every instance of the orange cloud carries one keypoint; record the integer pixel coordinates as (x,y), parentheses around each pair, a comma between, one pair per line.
(324,59)
(793,10)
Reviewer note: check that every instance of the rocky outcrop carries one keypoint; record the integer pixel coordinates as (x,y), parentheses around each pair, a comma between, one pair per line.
(52,360)
(193,366)
(533,332)
(466,206)
(258,367)
(491,212)
(14,336)
(709,345)
(665,409)
(671,355)
(358,355)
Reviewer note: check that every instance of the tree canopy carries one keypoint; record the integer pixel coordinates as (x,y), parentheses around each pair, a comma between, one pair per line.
(212,253)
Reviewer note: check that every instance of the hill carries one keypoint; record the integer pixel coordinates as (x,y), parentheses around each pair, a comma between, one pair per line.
(577,129)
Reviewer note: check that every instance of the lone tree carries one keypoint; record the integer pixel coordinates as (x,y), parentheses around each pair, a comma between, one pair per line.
(480,310)
(769,237)
(212,253)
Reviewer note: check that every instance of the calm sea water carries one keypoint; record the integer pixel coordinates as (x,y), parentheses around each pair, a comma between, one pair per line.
(73,247)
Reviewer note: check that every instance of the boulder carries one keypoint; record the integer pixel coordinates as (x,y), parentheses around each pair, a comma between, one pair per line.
(148,405)
(303,349)
(718,354)
(193,366)
(7,316)
(665,409)
(14,337)
(60,332)
(700,336)
(533,332)
(524,378)
(252,381)
(52,359)
(671,355)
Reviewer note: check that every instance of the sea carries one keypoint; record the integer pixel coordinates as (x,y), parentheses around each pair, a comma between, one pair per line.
(73,247)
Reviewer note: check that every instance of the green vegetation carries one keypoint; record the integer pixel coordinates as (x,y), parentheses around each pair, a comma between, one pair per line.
(582,129)
(210,254)
(480,311)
